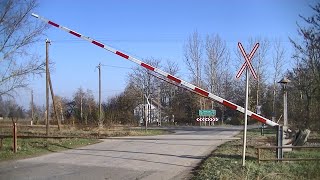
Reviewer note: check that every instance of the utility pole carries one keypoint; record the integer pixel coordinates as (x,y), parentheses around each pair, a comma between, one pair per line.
(100,120)
(81,113)
(53,102)
(145,107)
(61,112)
(159,105)
(274,102)
(146,116)
(47,86)
(32,111)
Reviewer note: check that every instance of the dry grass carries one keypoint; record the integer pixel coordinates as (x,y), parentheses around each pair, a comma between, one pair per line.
(78,131)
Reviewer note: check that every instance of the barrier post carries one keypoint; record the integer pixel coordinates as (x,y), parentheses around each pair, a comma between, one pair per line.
(14,137)
(279,150)
(258,155)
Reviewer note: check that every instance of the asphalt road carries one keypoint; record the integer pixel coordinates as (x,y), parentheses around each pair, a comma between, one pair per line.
(171,156)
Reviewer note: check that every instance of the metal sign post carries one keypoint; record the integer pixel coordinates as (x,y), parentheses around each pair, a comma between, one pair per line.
(245,119)
(247,65)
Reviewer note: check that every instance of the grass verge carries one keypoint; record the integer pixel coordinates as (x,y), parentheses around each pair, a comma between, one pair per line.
(30,147)
(226,162)
(80,132)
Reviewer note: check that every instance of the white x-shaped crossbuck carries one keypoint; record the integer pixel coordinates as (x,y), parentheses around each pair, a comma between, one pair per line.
(247,59)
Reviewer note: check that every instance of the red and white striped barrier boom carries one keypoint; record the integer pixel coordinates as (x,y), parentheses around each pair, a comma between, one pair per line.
(184,84)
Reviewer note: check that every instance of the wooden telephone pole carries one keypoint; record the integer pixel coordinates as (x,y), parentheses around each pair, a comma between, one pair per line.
(32,110)
(47,86)
(53,102)
(100,118)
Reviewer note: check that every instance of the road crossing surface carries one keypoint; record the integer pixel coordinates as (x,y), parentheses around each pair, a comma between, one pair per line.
(170,156)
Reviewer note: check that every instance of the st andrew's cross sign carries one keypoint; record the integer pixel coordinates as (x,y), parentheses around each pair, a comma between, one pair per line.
(247,59)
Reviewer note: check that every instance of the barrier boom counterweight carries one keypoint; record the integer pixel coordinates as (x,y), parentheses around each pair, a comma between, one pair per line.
(183,83)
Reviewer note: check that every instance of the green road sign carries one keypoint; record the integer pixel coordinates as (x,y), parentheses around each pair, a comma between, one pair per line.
(207,112)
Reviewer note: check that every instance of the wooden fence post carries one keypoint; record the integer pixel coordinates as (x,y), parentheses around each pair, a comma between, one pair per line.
(14,137)
(258,155)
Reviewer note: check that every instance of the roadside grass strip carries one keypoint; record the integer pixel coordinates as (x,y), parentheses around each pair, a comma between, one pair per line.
(226,162)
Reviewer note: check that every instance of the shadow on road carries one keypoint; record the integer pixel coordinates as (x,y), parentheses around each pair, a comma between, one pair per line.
(158,138)
(137,152)
(78,152)
(137,159)
(165,143)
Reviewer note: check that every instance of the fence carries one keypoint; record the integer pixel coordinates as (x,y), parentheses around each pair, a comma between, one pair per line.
(286,159)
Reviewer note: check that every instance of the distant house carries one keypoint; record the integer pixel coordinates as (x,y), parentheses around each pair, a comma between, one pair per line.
(1,116)
(152,113)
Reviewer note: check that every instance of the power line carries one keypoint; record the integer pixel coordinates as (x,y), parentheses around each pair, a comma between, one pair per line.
(120,67)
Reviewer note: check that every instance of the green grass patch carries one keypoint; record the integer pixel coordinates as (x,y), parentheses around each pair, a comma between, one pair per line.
(226,161)
(30,147)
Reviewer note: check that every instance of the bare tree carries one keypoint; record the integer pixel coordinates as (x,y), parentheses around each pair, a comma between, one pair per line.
(168,90)
(79,98)
(142,78)
(217,69)
(278,63)
(18,32)
(216,63)
(193,50)
(12,110)
(193,57)
(92,109)
(306,74)
(260,63)
(85,107)
(172,67)
(120,108)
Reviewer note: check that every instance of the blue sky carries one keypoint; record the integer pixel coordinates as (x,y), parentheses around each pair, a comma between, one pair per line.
(146,29)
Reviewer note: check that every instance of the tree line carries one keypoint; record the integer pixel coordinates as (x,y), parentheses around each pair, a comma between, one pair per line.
(211,65)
